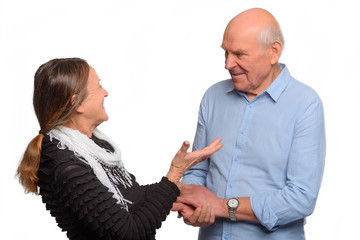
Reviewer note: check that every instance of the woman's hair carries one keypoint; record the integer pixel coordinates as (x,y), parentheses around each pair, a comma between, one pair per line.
(60,85)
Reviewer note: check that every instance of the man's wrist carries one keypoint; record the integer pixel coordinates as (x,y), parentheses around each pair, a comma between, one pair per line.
(221,209)
(233,204)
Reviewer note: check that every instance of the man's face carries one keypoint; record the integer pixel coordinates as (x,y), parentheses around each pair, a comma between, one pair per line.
(247,61)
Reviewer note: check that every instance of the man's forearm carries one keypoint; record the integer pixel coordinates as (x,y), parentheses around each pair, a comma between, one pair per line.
(196,196)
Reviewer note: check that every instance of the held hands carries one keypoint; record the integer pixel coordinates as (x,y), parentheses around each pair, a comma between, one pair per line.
(198,217)
(198,205)
(196,212)
(184,160)
(196,196)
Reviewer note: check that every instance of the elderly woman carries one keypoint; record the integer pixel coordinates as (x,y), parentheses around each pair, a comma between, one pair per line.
(78,170)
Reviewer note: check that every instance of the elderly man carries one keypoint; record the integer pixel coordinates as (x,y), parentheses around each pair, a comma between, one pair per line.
(266,178)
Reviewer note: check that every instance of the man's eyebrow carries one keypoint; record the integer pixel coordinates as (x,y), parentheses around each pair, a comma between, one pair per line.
(237,52)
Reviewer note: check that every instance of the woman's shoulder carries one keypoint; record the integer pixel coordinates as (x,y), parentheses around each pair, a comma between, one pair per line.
(55,155)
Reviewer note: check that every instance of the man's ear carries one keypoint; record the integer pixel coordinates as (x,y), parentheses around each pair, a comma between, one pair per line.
(276,50)
(79,108)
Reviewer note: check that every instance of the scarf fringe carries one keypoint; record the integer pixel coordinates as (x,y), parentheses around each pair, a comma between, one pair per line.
(99,159)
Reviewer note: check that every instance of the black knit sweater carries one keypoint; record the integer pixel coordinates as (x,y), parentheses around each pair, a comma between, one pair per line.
(85,209)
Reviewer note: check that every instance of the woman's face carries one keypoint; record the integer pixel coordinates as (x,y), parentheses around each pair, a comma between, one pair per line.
(92,107)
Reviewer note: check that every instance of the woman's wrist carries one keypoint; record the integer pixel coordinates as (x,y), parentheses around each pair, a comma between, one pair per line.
(174,174)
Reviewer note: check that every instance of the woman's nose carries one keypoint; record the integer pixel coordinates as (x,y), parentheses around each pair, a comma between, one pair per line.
(105,92)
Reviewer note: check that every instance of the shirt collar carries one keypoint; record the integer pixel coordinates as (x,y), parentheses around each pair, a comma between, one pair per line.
(279,84)
(276,87)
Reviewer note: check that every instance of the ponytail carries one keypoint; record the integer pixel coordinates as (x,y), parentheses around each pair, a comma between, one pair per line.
(55,83)
(29,166)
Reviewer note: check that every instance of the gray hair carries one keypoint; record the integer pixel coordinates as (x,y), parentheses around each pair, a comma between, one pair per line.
(270,34)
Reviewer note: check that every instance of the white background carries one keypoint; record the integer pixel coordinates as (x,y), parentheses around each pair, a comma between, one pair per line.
(156,59)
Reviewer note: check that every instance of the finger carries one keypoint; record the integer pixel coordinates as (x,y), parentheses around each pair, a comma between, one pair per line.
(208,213)
(204,212)
(212,218)
(188,201)
(185,146)
(193,218)
(177,207)
(215,145)
(210,149)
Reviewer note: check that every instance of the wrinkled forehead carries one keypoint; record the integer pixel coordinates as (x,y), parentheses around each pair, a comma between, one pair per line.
(237,37)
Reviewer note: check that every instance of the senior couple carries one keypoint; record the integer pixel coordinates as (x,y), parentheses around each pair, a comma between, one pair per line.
(260,182)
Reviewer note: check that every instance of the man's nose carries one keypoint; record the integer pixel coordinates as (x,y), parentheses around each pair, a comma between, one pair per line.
(230,62)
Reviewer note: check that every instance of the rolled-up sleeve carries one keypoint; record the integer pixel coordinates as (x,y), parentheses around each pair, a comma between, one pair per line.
(305,168)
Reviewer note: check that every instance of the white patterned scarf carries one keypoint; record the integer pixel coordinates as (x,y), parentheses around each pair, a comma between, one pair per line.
(99,159)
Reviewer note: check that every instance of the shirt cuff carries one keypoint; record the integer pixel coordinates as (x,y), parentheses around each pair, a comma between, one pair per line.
(263,212)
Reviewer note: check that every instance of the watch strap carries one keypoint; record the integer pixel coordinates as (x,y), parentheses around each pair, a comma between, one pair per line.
(232,214)
(232,208)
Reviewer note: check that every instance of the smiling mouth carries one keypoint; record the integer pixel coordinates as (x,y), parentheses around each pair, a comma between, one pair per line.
(236,74)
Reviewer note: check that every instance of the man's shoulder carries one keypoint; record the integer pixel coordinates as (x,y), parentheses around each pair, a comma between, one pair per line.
(300,89)
(221,87)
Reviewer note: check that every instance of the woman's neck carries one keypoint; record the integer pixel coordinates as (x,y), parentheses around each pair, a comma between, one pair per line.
(82,126)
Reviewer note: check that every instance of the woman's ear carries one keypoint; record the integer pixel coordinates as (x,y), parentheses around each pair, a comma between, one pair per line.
(79,108)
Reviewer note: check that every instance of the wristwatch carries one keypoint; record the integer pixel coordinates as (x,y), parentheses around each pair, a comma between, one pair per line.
(233,204)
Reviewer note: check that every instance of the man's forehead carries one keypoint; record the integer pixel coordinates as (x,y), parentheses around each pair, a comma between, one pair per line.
(237,44)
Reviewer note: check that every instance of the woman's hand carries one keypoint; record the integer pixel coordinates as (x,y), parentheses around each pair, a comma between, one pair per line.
(184,160)
(198,217)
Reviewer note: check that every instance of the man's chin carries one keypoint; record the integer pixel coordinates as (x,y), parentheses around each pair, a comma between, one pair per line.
(239,85)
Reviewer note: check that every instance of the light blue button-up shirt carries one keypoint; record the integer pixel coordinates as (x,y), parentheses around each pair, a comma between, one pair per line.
(274,153)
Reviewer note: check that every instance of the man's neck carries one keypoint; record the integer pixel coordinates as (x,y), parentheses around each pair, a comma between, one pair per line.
(272,76)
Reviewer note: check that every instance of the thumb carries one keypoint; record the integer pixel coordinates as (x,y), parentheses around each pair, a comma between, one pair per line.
(177,207)
(185,146)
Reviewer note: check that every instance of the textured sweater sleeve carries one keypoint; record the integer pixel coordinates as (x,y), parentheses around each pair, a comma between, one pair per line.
(97,210)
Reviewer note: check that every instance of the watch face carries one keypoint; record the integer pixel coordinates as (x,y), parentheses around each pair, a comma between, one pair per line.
(233,203)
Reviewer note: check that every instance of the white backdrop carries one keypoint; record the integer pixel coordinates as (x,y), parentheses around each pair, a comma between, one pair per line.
(156,59)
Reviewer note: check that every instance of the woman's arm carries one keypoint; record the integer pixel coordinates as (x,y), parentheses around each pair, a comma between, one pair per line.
(93,205)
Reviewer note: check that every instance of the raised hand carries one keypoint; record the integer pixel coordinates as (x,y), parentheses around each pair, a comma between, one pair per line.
(183,160)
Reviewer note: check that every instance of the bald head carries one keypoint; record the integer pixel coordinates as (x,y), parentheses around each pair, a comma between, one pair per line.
(253,45)
(256,22)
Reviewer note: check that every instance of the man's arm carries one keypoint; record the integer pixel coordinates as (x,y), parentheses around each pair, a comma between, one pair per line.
(197,174)
(197,196)
(297,198)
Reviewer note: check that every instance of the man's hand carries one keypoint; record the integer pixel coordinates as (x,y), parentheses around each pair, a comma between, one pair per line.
(196,196)
(198,217)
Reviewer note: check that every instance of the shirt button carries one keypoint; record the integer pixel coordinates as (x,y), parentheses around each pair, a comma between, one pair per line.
(226,237)
(242,131)
(230,185)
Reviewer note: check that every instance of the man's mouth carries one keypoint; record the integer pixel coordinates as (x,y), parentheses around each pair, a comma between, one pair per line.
(236,74)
